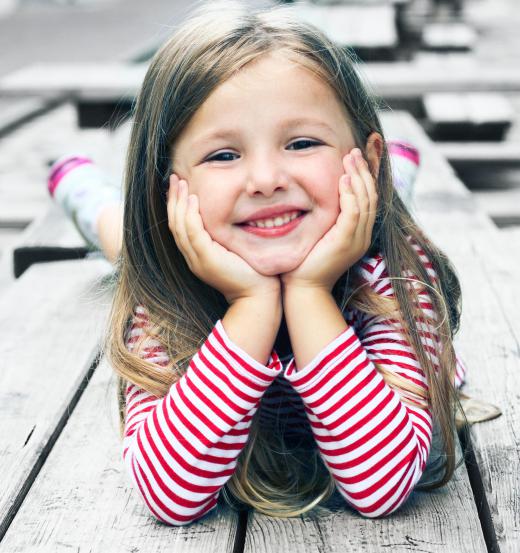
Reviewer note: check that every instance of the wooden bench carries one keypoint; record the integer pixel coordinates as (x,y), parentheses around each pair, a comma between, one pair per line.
(99,89)
(346,23)
(68,487)
(479,155)
(61,455)
(468,116)
(51,237)
(14,113)
(453,36)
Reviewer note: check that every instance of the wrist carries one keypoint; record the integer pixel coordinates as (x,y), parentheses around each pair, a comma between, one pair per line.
(252,323)
(270,294)
(299,292)
(261,300)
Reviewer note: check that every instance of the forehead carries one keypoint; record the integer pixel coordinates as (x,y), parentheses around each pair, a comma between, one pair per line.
(272,86)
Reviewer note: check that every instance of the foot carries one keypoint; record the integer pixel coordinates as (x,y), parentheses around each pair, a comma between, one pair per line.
(82,189)
(405,160)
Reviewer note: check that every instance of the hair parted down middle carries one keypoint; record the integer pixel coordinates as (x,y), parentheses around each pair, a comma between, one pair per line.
(272,475)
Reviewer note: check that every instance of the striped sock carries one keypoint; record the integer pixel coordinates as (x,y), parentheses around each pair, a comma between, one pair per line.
(82,189)
(404,160)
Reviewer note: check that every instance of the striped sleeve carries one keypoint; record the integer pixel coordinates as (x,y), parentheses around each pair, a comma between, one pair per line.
(374,444)
(181,449)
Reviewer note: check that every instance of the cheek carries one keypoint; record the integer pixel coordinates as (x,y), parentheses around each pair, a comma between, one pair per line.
(323,187)
(214,211)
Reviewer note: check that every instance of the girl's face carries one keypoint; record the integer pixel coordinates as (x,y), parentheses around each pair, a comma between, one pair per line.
(267,145)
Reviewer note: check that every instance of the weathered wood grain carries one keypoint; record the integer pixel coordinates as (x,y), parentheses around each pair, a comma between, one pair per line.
(50,237)
(441,521)
(51,320)
(489,342)
(489,337)
(395,79)
(84,500)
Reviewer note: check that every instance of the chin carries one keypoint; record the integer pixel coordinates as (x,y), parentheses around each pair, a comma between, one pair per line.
(275,266)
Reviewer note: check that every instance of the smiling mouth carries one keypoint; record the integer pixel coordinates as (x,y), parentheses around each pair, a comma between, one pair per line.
(274,222)
(277,226)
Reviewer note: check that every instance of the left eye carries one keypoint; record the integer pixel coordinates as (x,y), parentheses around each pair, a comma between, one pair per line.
(221,156)
(303,144)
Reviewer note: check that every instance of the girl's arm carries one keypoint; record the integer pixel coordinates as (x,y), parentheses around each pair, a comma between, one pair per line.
(374,444)
(181,449)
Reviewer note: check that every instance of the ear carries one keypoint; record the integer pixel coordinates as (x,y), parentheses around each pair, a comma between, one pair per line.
(374,151)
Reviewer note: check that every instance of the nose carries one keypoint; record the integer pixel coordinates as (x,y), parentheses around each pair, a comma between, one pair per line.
(266,175)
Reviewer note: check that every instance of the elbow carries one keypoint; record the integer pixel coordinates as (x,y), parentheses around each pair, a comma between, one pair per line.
(381,508)
(377,513)
(176,518)
(170,521)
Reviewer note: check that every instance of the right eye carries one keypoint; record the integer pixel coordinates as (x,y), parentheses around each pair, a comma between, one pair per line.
(221,156)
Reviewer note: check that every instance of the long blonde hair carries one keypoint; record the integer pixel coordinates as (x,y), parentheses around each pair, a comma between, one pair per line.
(272,475)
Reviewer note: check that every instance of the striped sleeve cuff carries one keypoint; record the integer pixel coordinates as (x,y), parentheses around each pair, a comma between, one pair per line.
(327,359)
(241,360)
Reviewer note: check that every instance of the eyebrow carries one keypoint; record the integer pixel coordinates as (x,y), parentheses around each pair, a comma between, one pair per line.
(287,124)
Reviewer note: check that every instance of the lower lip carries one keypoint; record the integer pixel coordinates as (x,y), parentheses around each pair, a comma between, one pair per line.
(274,232)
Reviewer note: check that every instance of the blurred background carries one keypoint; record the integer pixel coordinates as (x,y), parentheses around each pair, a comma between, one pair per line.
(69,72)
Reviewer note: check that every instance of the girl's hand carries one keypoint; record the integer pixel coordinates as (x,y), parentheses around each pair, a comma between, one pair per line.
(350,237)
(207,259)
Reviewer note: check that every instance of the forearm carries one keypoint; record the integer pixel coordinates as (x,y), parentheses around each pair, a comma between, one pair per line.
(253,323)
(313,321)
(181,449)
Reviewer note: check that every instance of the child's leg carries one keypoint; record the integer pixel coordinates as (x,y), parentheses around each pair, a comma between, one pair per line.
(92,202)
(404,159)
(110,230)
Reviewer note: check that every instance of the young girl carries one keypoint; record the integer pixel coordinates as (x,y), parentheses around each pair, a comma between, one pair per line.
(281,327)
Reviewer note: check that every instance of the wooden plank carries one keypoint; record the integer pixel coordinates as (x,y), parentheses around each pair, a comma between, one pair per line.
(441,521)
(98,80)
(346,24)
(473,154)
(448,36)
(51,320)
(468,116)
(102,81)
(14,112)
(489,343)
(51,237)
(489,336)
(502,205)
(83,498)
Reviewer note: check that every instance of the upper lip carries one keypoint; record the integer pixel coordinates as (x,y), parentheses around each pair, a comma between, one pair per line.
(270,212)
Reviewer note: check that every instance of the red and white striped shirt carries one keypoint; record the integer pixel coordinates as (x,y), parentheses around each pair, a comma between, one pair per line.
(181,449)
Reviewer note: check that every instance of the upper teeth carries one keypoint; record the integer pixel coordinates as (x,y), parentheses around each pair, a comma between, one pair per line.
(276,222)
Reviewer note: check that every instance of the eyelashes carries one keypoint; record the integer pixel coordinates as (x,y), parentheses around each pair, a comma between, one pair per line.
(309,144)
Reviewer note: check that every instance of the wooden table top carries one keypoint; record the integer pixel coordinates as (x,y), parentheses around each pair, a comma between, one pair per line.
(64,483)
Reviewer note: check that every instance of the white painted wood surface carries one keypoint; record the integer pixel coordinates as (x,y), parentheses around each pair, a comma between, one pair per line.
(347,24)
(52,320)
(489,339)
(441,521)
(83,499)
(98,81)
(485,153)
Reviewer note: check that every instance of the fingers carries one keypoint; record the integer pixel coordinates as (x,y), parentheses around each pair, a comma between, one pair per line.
(370,183)
(363,188)
(177,208)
